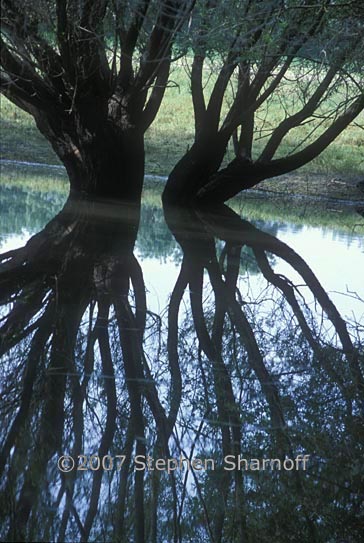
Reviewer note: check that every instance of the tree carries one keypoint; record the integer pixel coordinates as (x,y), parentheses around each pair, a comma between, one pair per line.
(93,75)
(298,60)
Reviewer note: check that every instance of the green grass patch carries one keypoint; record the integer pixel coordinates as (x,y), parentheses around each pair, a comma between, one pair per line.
(20,138)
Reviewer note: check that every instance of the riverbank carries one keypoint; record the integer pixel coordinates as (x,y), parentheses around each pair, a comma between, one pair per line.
(305,185)
(274,201)
(343,188)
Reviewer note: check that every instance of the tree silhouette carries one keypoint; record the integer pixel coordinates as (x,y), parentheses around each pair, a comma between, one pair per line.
(290,58)
(93,76)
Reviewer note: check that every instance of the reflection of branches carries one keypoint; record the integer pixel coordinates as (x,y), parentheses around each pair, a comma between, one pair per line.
(88,369)
(212,325)
(74,276)
(261,242)
(288,291)
(199,254)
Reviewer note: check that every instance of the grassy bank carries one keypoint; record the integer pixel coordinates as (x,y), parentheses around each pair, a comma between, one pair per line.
(172,134)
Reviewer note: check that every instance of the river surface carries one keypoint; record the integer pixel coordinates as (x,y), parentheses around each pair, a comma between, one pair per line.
(179,375)
(335,253)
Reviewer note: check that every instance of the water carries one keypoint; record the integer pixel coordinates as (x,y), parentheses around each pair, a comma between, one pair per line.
(143,345)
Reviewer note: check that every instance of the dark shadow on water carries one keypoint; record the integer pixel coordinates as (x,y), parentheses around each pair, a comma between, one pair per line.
(243,363)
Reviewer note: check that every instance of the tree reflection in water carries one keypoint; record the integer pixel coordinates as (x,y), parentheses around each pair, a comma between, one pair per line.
(86,368)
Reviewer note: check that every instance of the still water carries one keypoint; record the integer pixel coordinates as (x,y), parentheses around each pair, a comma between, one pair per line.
(179,375)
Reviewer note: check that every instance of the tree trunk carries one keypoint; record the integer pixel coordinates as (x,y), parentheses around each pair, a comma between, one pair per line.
(196,179)
(195,169)
(103,155)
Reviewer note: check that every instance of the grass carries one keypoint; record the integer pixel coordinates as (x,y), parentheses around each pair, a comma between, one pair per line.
(20,138)
(172,134)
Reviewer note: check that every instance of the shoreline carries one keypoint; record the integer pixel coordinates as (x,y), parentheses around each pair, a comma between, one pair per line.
(314,187)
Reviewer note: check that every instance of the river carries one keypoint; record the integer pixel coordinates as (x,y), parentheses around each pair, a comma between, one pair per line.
(196,371)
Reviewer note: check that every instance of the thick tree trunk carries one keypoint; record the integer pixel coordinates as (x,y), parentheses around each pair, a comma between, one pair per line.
(196,179)
(195,169)
(112,166)
(103,157)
